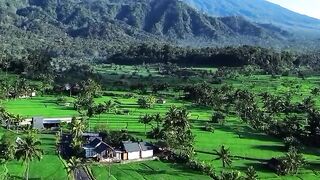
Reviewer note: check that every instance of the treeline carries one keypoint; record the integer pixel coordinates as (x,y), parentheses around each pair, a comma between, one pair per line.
(41,71)
(267,59)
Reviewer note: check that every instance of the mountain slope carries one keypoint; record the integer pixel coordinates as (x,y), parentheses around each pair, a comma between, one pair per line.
(260,11)
(115,20)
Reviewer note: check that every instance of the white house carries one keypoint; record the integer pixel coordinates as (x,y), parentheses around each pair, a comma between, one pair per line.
(131,150)
(146,150)
(135,150)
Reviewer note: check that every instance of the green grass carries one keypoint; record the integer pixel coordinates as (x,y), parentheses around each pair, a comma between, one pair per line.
(151,170)
(50,167)
(39,106)
(250,148)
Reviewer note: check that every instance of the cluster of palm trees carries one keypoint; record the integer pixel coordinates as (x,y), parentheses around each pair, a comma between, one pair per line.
(148,119)
(25,148)
(146,101)
(10,120)
(14,89)
(176,132)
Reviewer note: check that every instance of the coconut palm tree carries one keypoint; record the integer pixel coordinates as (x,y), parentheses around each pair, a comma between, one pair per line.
(17,119)
(100,109)
(110,106)
(158,119)
(177,118)
(146,119)
(28,148)
(73,164)
(224,155)
(251,174)
(292,161)
(77,127)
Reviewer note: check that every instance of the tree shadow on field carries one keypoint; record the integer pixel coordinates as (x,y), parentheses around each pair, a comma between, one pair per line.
(314,166)
(273,148)
(258,166)
(245,132)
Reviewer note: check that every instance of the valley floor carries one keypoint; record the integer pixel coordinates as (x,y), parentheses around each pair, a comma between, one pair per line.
(250,148)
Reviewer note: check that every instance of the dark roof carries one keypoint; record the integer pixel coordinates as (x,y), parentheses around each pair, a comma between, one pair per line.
(95,142)
(131,146)
(102,147)
(146,146)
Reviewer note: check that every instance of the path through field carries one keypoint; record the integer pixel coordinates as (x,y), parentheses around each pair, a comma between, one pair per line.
(81,174)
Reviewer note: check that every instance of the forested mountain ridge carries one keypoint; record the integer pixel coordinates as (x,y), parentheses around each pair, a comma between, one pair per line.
(260,11)
(128,20)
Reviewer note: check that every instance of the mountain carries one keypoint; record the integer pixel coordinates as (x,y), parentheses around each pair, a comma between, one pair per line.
(260,11)
(130,20)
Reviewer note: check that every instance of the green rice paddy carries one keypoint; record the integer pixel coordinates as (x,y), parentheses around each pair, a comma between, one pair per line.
(249,149)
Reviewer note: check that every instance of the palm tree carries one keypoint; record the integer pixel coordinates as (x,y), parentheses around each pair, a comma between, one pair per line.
(177,118)
(77,127)
(72,165)
(292,161)
(224,155)
(251,174)
(17,119)
(146,119)
(158,119)
(58,140)
(28,148)
(100,109)
(110,106)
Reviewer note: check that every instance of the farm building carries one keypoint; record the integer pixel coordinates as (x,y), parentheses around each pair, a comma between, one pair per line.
(131,150)
(96,148)
(135,150)
(146,150)
(45,123)
(99,150)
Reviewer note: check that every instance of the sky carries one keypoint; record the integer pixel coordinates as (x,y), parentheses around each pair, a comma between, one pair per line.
(307,7)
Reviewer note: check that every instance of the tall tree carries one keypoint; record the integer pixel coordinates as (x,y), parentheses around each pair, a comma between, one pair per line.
(28,148)
(73,164)
(146,119)
(251,174)
(177,131)
(224,155)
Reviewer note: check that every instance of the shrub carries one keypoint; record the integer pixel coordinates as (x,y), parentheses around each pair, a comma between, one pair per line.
(202,167)
(61,100)
(251,174)
(291,142)
(233,175)
(218,117)
(155,133)
(208,127)
(288,164)
(146,101)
